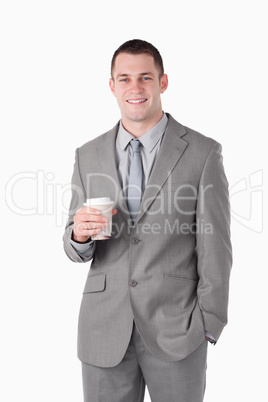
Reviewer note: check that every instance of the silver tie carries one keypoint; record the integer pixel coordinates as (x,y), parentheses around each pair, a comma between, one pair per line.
(135,180)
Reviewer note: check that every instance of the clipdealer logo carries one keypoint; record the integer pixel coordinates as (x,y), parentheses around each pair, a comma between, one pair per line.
(47,197)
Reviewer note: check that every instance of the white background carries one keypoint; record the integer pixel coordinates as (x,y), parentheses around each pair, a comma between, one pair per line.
(55,60)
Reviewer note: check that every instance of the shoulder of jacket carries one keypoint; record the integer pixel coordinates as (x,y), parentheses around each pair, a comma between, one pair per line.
(200,140)
(93,144)
(193,137)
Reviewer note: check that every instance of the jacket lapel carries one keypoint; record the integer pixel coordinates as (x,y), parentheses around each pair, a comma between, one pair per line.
(170,152)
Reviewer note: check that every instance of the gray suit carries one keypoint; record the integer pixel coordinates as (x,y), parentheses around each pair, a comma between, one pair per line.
(170,271)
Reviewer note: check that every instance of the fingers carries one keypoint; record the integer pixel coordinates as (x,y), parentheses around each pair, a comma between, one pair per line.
(88,214)
(96,211)
(87,229)
(89,210)
(85,217)
(92,225)
(90,218)
(82,235)
(88,222)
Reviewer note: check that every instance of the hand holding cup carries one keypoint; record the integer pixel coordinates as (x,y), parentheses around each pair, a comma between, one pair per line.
(93,223)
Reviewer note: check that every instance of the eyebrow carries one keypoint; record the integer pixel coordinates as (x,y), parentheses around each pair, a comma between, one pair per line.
(129,75)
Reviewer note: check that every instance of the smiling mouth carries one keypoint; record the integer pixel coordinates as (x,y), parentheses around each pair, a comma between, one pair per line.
(136,101)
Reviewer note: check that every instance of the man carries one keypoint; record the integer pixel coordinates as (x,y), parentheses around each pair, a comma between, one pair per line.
(157,290)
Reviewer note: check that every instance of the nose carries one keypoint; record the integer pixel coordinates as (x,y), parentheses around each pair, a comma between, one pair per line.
(136,87)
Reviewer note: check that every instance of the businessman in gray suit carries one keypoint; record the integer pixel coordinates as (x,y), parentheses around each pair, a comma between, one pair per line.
(157,290)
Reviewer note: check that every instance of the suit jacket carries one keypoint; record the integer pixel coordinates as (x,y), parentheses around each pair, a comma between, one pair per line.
(170,270)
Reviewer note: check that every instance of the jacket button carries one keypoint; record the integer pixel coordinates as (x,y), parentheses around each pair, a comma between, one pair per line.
(134,240)
(132,283)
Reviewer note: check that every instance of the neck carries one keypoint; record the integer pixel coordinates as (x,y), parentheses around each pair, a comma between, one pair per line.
(138,128)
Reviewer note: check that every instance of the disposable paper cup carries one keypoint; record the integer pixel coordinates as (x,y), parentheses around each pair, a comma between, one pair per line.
(105,205)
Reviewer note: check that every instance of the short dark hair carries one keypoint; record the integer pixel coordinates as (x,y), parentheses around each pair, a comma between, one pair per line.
(138,46)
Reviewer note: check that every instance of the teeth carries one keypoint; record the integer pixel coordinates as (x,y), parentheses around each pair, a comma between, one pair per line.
(137,101)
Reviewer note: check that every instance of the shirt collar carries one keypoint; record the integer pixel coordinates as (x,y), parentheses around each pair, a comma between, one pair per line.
(148,140)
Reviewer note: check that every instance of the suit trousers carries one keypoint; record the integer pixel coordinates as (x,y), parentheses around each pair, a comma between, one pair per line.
(179,381)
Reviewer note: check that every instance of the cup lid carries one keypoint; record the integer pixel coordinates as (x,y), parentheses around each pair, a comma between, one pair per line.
(98,201)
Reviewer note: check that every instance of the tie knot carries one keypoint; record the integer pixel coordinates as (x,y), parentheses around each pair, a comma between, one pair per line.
(135,145)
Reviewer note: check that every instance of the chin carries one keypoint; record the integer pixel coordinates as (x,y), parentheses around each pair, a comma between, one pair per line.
(137,117)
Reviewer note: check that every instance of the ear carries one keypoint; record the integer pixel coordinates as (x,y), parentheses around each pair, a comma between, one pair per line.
(111,85)
(163,83)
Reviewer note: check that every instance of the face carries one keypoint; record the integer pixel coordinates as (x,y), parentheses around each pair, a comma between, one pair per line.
(137,88)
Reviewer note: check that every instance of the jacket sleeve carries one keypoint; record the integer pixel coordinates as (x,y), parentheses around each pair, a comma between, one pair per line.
(214,251)
(77,200)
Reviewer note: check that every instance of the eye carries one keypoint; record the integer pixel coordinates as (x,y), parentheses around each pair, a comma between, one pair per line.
(146,78)
(123,80)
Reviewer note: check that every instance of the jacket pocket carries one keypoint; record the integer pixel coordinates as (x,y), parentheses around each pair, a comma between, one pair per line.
(180,277)
(95,283)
